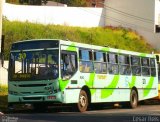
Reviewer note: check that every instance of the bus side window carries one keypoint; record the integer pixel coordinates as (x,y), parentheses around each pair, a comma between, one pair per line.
(136,68)
(124,64)
(145,66)
(153,69)
(85,63)
(112,63)
(68,65)
(100,65)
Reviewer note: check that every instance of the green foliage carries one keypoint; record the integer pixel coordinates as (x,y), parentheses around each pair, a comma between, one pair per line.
(3,97)
(3,90)
(13,1)
(108,36)
(77,3)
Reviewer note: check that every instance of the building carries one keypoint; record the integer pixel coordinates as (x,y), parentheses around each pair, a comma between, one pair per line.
(95,3)
(140,15)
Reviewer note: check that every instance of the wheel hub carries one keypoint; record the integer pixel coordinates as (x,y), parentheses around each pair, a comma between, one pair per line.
(82,100)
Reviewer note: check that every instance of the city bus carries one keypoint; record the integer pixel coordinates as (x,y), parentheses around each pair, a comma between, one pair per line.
(56,72)
(158,66)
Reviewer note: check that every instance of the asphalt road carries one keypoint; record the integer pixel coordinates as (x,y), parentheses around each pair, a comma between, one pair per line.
(144,113)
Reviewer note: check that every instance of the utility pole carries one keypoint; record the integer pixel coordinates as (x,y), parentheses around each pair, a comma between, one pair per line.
(1,5)
(1,8)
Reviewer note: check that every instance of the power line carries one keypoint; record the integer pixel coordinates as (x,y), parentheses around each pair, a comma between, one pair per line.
(130,15)
(118,21)
(127,14)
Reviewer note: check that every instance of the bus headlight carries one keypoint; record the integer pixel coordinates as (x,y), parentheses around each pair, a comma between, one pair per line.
(50,89)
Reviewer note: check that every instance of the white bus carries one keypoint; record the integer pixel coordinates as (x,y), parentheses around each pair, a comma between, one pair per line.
(44,72)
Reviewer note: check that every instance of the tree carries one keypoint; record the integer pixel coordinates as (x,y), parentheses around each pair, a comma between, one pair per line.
(77,3)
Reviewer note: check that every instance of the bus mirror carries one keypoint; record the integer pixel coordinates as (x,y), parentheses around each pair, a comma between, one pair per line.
(2,60)
(157,58)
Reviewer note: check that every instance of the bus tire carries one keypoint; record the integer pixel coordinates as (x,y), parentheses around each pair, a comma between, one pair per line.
(133,99)
(82,101)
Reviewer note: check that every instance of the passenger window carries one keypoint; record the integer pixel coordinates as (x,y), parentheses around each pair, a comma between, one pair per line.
(145,71)
(123,59)
(136,68)
(112,63)
(86,64)
(135,60)
(99,56)
(145,61)
(152,62)
(112,58)
(113,69)
(85,55)
(100,65)
(124,64)
(145,66)
(153,69)
(124,69)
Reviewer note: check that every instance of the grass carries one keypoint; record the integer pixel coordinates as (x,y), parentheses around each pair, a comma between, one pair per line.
(3,97)
(116,37)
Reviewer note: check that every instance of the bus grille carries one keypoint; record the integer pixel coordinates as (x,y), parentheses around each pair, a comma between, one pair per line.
(25,93)
(32,85)
(32,98)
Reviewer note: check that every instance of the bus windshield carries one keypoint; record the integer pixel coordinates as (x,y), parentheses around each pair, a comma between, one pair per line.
(33,65)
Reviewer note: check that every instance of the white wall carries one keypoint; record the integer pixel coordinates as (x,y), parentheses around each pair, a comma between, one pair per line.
(136,14)
(71,16)
(4,74)
(157,12)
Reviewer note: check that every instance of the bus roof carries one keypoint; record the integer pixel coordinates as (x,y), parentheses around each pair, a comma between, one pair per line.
(90,46)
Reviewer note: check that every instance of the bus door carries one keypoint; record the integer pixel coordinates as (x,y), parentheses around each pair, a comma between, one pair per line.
(69,76)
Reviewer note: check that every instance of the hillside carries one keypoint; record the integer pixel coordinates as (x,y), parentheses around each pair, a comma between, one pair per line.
(108,36)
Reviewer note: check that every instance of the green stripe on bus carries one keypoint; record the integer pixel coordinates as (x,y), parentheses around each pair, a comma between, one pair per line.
(143,54)
(105,49)
(108,92)
(63,84)
(148,87)
(90,82)
(132,82)
(72,47)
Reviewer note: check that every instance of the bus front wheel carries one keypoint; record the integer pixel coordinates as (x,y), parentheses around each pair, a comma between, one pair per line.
(83,101)
(133,99)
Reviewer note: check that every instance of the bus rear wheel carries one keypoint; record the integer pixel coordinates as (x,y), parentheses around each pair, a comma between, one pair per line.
(83,101)
(133,99)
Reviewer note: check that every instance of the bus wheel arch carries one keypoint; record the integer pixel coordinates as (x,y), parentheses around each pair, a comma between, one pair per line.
(134,98)
(84,99)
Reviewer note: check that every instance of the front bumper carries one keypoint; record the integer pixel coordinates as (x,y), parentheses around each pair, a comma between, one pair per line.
(35,98)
